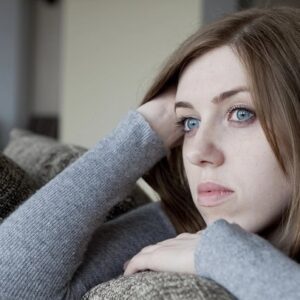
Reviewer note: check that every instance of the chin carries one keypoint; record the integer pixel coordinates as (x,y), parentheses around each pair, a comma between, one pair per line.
(211,220)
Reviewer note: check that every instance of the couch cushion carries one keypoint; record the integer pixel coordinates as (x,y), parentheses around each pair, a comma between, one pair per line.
(15,186)
(40,156)
(43,158)
(159,285)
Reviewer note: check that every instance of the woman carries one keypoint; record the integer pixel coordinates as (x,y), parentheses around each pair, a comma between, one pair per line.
(230,181)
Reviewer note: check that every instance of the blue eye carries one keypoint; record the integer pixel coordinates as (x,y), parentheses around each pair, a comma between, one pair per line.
(242,114)
(188,123)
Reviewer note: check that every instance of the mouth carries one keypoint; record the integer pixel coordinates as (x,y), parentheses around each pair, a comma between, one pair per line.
(210,194)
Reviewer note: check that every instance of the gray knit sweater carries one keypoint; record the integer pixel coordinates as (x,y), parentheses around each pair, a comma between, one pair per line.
(56,246)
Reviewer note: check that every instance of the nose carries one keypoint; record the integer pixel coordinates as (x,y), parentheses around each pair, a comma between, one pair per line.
(203,149)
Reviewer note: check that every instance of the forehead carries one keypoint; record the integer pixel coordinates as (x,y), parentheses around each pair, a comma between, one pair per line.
(211,74)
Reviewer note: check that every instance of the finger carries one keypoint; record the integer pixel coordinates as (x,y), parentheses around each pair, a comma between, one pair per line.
(184,235)
(136,264)
(149,248)
(126,264)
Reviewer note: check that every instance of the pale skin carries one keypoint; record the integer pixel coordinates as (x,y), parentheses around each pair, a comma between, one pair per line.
(220,145)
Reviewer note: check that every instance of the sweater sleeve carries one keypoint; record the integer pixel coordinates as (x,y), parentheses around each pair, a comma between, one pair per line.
(245,264)
(43,242)
(117,241)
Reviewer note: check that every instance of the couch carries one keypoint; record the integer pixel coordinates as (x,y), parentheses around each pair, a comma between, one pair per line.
(29,161)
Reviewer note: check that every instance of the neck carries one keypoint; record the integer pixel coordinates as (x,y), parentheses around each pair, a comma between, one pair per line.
(273,234)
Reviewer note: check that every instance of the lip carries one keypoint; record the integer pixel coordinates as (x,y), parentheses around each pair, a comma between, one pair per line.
(212,194)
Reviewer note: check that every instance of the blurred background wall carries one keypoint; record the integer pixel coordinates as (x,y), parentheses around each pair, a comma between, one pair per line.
(72,68)
(14,72)
(30,66)
(115,47)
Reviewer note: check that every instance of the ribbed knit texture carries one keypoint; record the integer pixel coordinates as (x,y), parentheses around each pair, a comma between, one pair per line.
(246,264)
(55,245)
(43,243)
(42,158)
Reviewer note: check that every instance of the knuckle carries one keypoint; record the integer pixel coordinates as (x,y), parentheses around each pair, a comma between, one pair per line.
(135,259)
(147,248)
(183,235)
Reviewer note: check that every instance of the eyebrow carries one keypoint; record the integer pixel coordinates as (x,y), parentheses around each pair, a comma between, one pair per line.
(217,99)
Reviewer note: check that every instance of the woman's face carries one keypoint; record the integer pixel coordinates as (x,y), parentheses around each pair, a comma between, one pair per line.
(225,144)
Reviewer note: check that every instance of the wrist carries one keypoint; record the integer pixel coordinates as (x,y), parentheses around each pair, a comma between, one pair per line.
(156,124)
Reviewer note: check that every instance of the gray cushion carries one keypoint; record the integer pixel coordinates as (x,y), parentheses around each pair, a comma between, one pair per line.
(15,186)
(43,158)
(40,156)
(159,285)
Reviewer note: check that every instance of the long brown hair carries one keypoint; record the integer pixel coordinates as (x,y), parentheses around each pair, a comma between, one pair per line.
(267,42)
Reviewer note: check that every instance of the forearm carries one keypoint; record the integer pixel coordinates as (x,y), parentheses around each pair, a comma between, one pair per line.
(43,242)
(116,241)
(245,264)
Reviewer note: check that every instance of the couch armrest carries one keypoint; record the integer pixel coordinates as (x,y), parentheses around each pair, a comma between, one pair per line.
(159,285)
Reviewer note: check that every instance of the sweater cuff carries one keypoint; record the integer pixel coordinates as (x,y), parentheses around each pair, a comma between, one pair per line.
(210,243)
(245,264)
(225,247)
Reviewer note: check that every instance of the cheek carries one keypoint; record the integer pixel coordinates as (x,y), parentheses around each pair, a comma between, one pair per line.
(251,169)
(189,169)
(258,172)
(265,190)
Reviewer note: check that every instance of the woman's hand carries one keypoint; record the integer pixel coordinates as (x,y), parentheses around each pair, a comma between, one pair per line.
(160,114)
(172,255)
